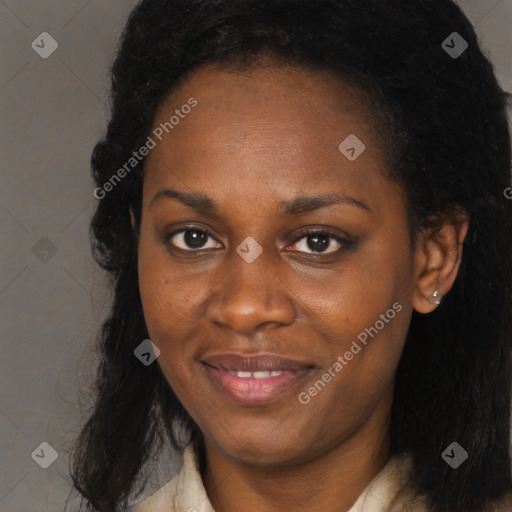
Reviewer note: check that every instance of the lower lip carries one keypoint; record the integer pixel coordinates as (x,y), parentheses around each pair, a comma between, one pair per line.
(250,391)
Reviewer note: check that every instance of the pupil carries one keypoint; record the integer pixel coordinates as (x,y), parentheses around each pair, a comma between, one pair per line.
(194,238)
(319,243)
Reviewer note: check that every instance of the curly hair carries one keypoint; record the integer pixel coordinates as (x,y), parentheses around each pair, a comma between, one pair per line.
(448,143)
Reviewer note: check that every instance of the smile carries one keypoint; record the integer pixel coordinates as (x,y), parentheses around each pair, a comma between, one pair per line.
(254,380)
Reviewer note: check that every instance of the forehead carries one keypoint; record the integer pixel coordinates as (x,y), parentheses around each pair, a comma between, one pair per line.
(264,130)
(267,101)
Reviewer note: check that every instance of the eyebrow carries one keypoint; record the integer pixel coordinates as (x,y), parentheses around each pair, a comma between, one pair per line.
(298,205)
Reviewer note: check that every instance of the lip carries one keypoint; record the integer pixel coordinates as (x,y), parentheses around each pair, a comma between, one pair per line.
(254,362)
(220,370)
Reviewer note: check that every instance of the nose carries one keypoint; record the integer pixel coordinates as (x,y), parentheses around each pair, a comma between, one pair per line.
(250,296)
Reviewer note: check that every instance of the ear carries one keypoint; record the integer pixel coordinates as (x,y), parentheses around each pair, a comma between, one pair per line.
(437,260)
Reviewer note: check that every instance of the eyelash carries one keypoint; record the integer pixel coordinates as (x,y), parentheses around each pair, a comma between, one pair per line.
(345,243)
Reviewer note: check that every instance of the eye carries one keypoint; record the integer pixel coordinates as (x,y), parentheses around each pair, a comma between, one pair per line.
(193,239)
(318,240)
(190,239)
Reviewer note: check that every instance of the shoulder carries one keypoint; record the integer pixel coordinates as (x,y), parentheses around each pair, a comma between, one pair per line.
(162,500)
(391,490)
(185,492)
(502,505)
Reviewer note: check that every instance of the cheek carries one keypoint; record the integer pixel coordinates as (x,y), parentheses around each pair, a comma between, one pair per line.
(159,299)
(166,322)
(367,314)
(361,368)
(170,311)
(155,296)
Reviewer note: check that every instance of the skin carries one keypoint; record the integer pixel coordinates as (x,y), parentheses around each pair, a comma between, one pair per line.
(255,139)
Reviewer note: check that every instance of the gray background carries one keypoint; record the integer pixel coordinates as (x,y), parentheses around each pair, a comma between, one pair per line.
(52,296)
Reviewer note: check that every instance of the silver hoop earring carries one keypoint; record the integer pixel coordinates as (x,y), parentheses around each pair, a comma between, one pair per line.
(435,298)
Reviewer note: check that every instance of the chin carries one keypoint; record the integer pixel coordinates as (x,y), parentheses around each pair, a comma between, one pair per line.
(263,447)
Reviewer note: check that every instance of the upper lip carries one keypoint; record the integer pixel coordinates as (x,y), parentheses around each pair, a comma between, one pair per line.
(254,362)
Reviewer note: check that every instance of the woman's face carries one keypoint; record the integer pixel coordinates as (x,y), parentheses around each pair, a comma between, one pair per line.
(247,284)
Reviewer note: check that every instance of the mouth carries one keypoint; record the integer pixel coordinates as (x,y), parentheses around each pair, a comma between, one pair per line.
(254,379)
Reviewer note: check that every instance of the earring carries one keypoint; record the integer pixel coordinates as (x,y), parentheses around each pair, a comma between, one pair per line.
(435,298)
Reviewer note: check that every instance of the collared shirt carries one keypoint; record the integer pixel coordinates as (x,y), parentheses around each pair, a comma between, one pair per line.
(186,492)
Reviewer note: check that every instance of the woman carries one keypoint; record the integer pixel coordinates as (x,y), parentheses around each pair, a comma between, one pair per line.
(302,207)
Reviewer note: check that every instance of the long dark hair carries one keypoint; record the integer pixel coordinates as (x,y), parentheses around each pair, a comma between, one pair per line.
(448,143)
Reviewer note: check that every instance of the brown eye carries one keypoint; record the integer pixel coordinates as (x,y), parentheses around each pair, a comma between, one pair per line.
(190,239)
(318,241)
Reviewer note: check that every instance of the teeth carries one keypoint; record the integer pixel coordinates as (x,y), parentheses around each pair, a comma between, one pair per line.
(255,375)
(261,375)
